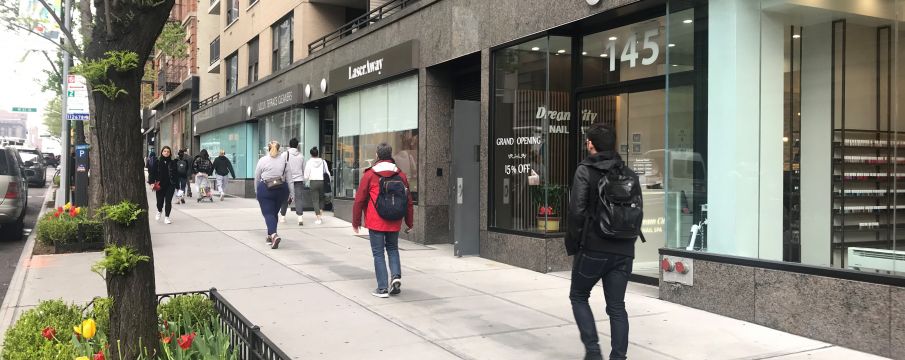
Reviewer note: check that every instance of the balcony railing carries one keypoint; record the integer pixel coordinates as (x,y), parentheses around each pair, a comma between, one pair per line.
(170,76)
(208,101)
(215,50)
(361,22)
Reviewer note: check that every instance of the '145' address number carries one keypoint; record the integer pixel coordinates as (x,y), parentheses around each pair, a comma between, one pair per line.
(630,50)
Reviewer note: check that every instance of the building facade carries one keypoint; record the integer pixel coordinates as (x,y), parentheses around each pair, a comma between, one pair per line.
(765,134)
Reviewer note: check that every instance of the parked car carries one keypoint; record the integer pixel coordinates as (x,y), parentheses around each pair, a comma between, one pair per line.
(33,160)
(51,160)
(14,186)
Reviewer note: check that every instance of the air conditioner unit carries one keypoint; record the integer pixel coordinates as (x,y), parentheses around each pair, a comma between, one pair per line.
(881,261)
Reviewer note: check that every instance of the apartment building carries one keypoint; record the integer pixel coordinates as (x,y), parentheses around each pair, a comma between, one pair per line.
(169,121)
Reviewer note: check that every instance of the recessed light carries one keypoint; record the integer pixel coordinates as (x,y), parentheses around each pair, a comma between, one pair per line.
(561,51)
(688,21)
(535,48)
(584,52)
(796,36)
(613,38)
(785,139)
(602,55)
(674,65)
(672,45)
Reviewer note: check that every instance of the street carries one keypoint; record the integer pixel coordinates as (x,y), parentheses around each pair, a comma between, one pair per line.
(11,249)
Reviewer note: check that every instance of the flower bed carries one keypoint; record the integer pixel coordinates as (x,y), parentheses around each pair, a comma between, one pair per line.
(197,325)
(67,229)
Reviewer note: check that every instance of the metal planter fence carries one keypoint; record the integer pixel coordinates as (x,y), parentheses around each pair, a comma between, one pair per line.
(245,338)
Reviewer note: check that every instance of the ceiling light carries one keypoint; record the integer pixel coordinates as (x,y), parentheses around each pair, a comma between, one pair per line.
(561,51)
(613,38)
(796,36)
(672,45)
(785,139)
(535,48)
(584,52)
(688,21)
(674,65)
(602,55)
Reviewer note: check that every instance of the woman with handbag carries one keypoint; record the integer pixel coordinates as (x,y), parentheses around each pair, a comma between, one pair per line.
(318,176)
(163,179)
(272,176)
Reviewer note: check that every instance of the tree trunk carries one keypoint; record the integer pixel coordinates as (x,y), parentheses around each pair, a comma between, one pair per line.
(134,27)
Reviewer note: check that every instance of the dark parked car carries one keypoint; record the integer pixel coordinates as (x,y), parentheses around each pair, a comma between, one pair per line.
(51,160)
(34,161)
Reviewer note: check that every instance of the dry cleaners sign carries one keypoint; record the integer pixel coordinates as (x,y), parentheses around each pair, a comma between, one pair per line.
(377,67)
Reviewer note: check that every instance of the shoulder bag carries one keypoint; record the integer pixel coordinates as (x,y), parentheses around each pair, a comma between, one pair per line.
(327,187)
(276,182)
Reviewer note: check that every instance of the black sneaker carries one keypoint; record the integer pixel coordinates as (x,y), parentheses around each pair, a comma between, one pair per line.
(396,285)
(381,293)
(276,242)
(269,240)
(592,355)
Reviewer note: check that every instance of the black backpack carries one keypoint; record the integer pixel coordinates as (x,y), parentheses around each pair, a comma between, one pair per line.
(620,207)
(392,200)
(182,167)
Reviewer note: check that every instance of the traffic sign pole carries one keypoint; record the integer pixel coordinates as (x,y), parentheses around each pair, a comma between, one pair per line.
(63,191)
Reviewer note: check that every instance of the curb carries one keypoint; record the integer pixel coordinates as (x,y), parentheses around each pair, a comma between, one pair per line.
(10,304)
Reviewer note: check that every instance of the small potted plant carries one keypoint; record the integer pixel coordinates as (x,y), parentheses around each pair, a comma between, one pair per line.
(548,202)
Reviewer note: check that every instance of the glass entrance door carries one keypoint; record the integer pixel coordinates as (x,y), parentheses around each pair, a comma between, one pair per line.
(638,118)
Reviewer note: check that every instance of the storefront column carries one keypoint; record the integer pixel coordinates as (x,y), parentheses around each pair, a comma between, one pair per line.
(816,134)
(733,78)
(772,123)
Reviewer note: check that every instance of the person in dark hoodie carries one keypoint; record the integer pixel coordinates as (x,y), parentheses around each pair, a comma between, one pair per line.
(384,198)
(164,171)
(596,256)
(183,166)
(223,168)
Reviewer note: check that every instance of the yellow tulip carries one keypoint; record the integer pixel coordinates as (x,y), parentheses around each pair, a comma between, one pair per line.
(78,210)
(82,358)
(87,329)
(67,206)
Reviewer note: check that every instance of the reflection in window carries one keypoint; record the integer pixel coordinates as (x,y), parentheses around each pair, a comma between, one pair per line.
(282,43)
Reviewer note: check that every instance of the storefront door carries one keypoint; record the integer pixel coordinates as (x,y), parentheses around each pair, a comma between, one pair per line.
(466,177)
(638,118)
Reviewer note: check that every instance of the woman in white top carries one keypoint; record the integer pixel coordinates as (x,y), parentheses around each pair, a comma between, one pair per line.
(315,169)
(271,177)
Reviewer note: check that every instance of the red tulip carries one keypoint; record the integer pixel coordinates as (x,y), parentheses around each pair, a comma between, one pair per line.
(57,214)
(185,341)
(49,333)
(99,355)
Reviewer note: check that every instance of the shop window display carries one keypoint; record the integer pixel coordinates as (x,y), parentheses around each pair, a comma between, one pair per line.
(381,113)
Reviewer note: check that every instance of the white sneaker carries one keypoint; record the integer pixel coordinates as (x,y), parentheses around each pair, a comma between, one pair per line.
(167,220)
(157,218)
(318,222)
(221,196)
(301,222)
(282,219)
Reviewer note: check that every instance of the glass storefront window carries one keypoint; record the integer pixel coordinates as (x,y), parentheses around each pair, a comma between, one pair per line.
(236,141)
(298,123)
(381,113)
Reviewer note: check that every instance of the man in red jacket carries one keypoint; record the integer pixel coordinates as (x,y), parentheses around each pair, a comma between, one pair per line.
(384,197)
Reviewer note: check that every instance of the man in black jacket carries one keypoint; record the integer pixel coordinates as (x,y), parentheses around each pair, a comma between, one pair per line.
(597,257)
(223,168)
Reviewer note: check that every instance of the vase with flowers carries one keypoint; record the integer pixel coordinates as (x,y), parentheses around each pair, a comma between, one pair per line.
(548,200)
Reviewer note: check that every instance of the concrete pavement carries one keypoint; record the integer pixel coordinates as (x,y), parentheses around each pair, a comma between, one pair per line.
(312,297)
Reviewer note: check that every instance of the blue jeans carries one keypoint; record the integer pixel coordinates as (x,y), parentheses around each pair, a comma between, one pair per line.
(588,269)
(389,241)
(183,182)
(270,201)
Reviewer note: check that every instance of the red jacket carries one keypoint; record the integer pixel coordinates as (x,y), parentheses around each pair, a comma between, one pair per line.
(367,193)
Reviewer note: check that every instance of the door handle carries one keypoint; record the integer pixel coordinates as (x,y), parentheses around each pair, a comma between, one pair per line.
(459,191)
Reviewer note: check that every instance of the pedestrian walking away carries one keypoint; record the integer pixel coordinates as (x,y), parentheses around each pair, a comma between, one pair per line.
(223,168)
(162,176)
(317,173)
(271,189)
(384,198)
(296,182)
(203,168)
(605,213)
(182,176)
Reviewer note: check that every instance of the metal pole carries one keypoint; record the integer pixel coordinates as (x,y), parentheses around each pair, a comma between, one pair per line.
(63,191)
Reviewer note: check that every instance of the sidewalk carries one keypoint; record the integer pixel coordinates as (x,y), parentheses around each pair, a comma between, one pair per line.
(312,297)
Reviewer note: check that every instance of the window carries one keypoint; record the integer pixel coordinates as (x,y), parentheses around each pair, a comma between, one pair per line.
(232,11)
(382,113)
(237,141)
(282,43)
(253,60)
(232,73)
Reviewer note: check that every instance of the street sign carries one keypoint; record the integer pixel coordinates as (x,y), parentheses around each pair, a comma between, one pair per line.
(76,98)
(24,109)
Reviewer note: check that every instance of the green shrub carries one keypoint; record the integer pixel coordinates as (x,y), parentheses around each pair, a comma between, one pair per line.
(24,340)
(53,230)
(100,312)
(56,181)
(198,308)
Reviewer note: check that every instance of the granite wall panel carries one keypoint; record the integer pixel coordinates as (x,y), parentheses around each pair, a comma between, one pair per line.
(719,288)
(557,259)
(521,251)
(849,313)
(897,323)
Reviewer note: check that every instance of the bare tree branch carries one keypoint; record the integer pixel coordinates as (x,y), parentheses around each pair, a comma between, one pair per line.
(77,52)
(58,45)
(53,65)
